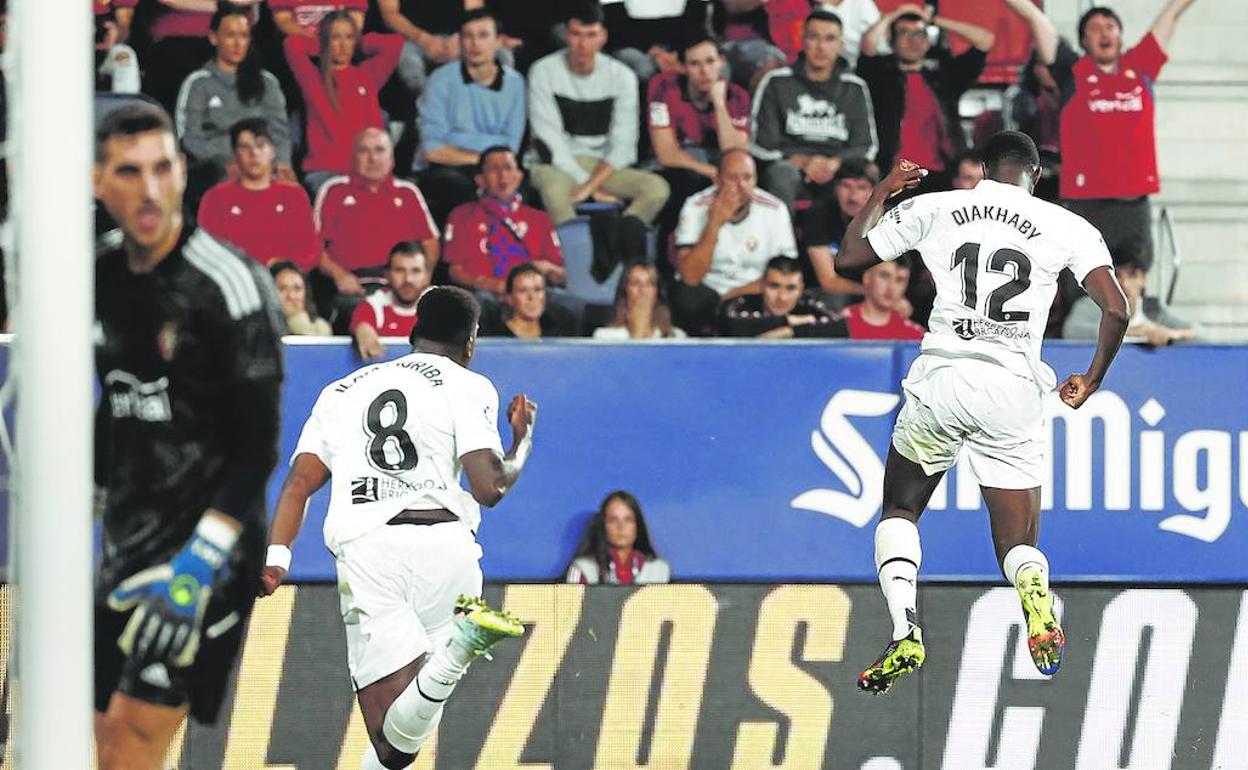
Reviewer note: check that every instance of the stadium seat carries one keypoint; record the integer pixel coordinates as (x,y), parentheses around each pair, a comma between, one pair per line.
(1013,45)
(578,256)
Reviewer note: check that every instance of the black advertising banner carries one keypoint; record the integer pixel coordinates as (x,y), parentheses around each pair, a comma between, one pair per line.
(750,677)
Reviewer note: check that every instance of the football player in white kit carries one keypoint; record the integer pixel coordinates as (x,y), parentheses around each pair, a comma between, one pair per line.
(995,253)
(393,439)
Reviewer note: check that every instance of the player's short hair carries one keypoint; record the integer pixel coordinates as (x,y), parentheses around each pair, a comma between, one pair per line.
(488,151)
(404,249)
(1092,13)
(821,14)
(858,168)
(892,27)
(783,264)
(257,127)
(693,41)
(524,268)
(477,15)
(587,12)
(130,119)
(1011,148)
(446,315)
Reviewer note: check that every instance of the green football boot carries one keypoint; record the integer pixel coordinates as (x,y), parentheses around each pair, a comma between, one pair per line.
(900,657)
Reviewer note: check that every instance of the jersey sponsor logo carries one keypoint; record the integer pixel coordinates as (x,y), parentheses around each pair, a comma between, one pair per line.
(1129,101)
(374,489)
(816,119)
(130,397)
(980,328)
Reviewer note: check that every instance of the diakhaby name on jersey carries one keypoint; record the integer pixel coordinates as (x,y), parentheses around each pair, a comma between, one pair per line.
(968,214)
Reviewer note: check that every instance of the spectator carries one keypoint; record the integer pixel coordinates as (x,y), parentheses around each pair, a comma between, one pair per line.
(748,48)
(640,311)
(616,549)
(116,66)
(1034,104)
(227,89)
(430,29)
(826,223)
(269,220)
(725,237)
(857,16)
(810,118)
(784,309)
(340,97)
(391,312)
(1109,147)
(916,95)
(968,170)
(303,19)
(693,118)
(488,238)
(876,317)
(297,306)
(362,215)
(468,106)
(649,36)
(179,31)
(1151,322)
(528,316)
(584,122)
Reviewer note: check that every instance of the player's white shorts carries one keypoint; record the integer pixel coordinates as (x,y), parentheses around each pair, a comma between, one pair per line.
(955,402)
(397,587)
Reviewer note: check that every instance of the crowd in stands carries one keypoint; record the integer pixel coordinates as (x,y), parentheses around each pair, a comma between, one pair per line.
(364,149)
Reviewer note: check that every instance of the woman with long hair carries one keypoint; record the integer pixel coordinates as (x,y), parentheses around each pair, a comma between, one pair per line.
(339,93)
(641,312)
(297,306)
(230,87)
(616,549)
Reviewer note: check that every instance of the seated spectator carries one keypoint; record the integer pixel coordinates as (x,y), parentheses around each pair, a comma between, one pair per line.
(489,237)
(826,223)
(179,45)
(876,317)
(116,66)
(430,29)
(748,47)
(297,306)
(784,309)
(584,122)
(648,37)
(391,312)
(1151,322)
(968,170)
(616,549)
(725,237)
(810,118)
(857,16)
(340,96)
(915,90)
(227,89)
(269,220)
(303,18)
(640,311)
(362,215)
(693,118)
(528,317)
(469,105)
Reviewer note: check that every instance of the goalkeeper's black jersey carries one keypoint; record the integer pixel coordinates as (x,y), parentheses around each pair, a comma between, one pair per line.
(190,367)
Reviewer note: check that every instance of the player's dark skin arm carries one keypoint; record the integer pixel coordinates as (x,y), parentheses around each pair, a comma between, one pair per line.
(856,251)
(307,475)
(1103,287)
(491,477)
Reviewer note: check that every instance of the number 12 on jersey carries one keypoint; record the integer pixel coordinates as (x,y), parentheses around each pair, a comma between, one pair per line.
(967,256)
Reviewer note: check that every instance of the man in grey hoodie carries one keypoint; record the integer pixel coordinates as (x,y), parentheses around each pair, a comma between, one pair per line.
(811,117)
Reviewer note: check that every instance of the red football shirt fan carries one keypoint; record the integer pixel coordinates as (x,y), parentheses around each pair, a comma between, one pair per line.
(668,95)
(897,328)
(270,224)
(489,238)
(379,311)
(1109,147)
(359,226)
(309,14)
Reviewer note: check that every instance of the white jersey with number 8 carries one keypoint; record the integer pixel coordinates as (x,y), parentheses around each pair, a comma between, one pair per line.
(995,253)
(392,436)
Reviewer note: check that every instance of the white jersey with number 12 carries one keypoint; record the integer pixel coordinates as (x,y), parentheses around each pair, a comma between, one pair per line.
(995,253)
(392,436)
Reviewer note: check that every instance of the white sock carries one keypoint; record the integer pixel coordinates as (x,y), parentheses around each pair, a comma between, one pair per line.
(897,559)
(411,719)
(1022,557)
(370,761)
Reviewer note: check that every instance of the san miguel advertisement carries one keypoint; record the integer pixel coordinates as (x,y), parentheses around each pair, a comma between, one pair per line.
(764,462)
(752,677)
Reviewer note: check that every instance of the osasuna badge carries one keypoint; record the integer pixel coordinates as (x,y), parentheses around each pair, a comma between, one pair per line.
(167,341)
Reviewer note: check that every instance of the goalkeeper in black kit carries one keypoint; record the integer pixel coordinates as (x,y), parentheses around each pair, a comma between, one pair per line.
(189,361)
